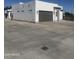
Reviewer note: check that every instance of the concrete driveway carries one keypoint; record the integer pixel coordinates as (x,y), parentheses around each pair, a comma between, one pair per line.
(24,40)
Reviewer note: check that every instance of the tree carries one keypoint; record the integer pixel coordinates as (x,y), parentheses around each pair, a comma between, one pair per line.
(68,16)
(8,7)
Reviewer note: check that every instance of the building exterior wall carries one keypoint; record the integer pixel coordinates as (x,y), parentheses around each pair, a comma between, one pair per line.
(61,15)
(45,6)
(8,13)
(25,12)
(40,5)
(30,11)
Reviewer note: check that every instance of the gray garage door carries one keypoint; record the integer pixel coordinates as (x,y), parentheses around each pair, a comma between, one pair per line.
(45,16)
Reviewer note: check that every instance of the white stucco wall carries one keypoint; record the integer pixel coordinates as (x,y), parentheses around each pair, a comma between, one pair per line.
(61,15)
(31,10)
(27,15)
(45,6)
(40,5)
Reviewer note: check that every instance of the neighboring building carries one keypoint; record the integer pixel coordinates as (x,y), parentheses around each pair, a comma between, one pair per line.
(8,13)
(37,11)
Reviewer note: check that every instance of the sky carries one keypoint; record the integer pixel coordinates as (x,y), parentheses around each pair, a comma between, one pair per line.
(67,4)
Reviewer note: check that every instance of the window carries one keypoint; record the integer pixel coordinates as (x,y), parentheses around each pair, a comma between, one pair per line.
(61,10)
(23,6)
(17,11)
(30,10)
(28,5)
(22,11)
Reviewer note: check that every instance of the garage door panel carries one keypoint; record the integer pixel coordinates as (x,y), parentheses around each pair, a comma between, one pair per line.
(45,16)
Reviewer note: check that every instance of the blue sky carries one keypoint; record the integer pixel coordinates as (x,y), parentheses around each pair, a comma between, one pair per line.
(67,4)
